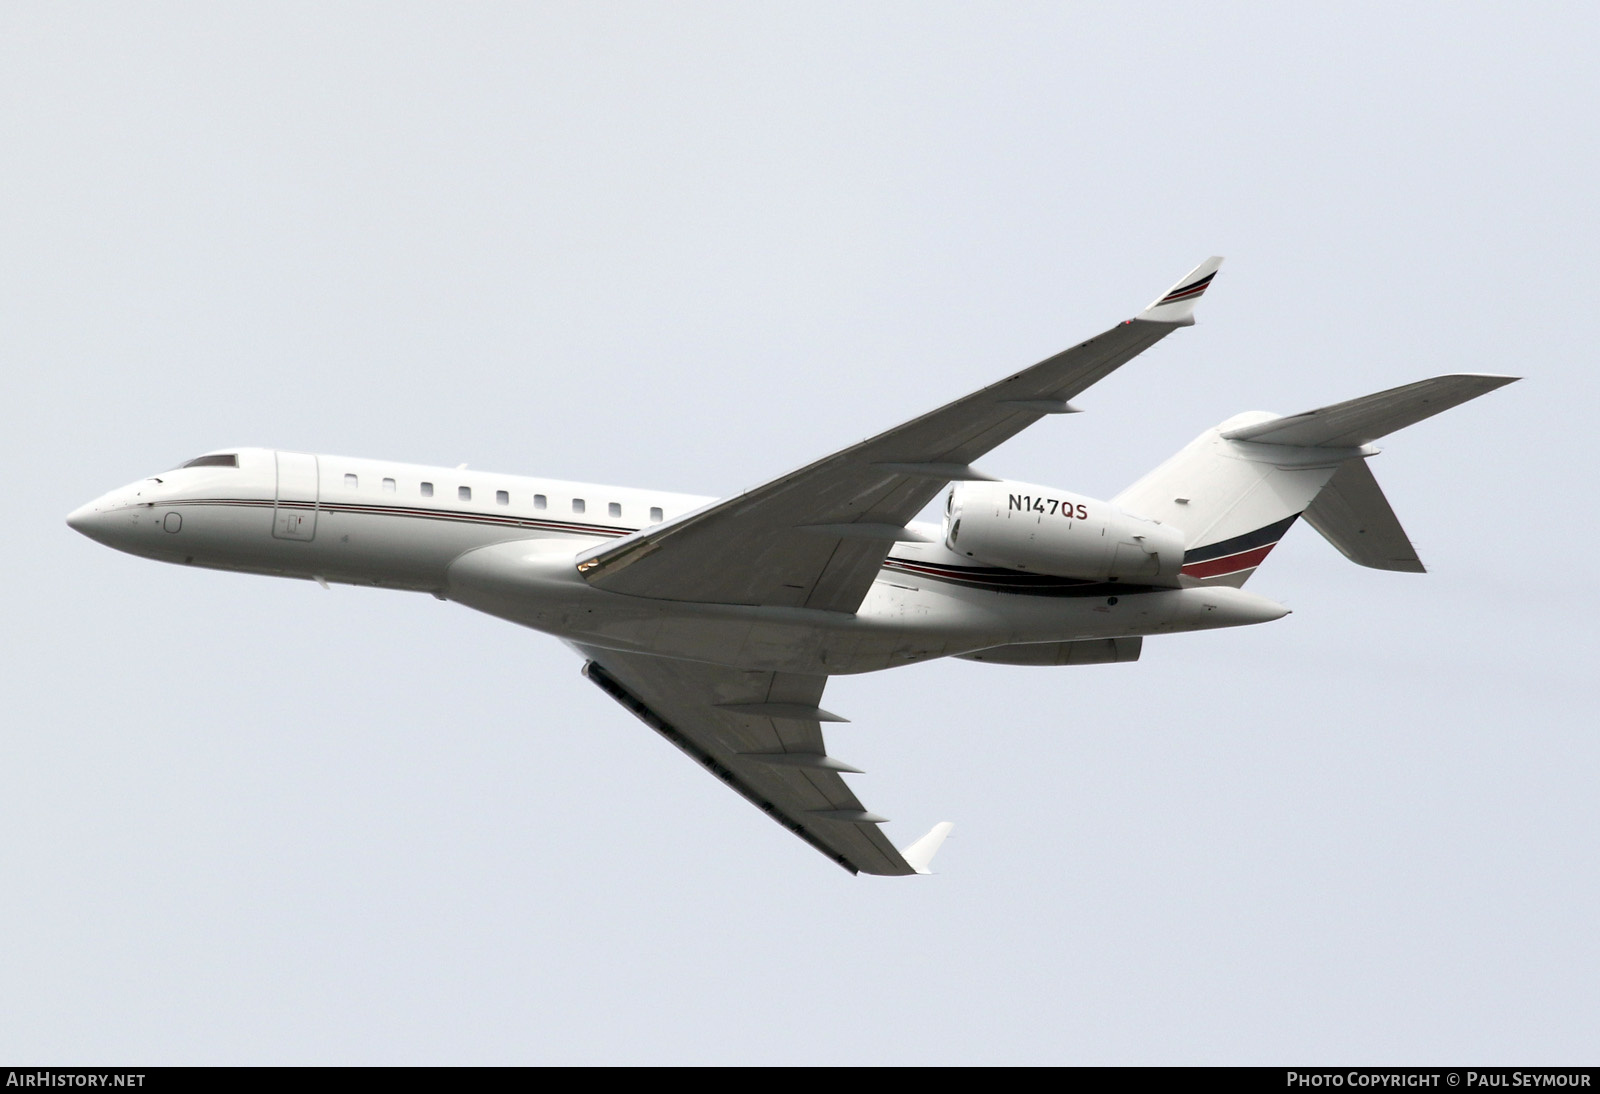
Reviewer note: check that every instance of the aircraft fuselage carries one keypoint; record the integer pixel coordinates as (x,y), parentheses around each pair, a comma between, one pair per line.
(506,544)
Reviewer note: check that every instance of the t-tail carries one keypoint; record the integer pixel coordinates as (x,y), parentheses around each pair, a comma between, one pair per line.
(1237,489)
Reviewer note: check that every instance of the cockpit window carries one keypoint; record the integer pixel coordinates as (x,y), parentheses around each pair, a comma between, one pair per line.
(229,460)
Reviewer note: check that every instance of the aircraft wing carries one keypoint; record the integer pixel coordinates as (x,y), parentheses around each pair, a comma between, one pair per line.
(760,733)
(817,537)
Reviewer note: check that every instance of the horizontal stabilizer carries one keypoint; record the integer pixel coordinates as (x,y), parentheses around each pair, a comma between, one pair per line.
(1353,515)
(1361,421)
(919,856)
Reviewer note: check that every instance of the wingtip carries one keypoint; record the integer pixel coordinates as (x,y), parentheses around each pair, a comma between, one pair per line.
(919,855)
(1176,305)
(1490,380)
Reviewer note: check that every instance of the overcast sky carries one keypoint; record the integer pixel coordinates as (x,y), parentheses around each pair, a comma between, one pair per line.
(689,247)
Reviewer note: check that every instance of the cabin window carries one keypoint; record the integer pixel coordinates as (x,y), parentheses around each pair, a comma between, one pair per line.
(614,509)
(388,486)
(427,489)
(502,498)
(656,515)
(577,505)
(464,493)
(351,482)
(539,501)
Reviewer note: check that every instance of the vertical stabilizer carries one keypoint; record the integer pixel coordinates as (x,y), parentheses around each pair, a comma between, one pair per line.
(1237,489)
(1233,500)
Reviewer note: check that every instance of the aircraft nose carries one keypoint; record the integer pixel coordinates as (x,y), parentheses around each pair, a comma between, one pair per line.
(100,520)
(81,519)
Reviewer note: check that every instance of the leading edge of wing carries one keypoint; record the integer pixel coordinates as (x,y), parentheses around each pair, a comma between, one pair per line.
(768,750)
(779,543)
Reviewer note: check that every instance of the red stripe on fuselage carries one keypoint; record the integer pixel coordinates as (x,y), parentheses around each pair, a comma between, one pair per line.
(1228,564)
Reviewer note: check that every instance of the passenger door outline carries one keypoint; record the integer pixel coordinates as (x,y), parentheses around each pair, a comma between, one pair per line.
(295,503)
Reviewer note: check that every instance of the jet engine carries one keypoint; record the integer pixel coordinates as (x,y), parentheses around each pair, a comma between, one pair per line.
(1020,526)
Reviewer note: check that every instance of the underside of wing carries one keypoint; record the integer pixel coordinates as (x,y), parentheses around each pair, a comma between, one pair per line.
(760,733)
(816,537)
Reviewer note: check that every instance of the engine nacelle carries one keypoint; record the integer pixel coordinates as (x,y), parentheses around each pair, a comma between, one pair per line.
(1044,531)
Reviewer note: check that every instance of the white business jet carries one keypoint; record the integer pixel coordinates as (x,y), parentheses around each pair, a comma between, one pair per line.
(718,623)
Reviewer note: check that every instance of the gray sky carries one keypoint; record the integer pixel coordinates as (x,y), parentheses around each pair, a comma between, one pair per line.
(689,247)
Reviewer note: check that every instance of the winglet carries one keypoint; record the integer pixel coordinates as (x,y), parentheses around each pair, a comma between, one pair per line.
(920,854)
(1177,306)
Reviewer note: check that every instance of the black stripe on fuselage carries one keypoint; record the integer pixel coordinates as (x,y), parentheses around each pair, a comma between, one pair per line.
(456,515)
(990,578)
(1261,537)
(998,580)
